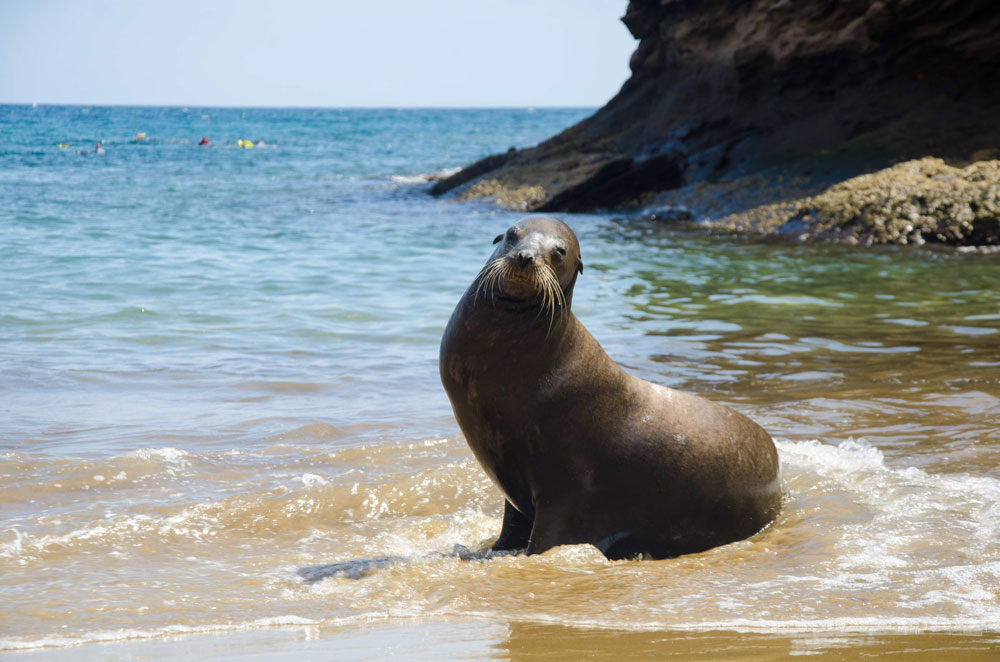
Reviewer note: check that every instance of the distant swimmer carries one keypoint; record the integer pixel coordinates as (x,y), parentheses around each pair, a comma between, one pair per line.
(98,149)
(62,145)
(139,137)
(204,142)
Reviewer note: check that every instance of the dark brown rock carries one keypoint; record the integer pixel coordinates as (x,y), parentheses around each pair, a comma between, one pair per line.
(617,183)
(723,89)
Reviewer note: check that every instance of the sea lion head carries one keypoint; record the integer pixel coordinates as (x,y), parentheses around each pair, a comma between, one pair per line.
(536,259)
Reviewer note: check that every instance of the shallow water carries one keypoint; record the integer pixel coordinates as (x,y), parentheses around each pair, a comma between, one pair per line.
(220,367)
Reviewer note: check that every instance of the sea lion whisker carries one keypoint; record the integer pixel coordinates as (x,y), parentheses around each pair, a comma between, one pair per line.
(487,278)
(560,298)
(481,280)
(499,274)
(540,279)
(542,287)
(502,273)
(491,282)
(552,295)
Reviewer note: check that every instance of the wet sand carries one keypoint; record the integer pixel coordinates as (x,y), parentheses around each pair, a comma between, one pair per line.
(473,640)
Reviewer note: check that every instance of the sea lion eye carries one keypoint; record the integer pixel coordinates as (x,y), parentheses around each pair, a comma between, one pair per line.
(512,235)
(561,251)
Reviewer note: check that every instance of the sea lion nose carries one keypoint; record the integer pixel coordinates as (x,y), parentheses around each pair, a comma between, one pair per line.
(524,258)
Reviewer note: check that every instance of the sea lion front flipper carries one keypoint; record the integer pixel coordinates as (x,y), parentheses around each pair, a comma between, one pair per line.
(516,530)
(547,532)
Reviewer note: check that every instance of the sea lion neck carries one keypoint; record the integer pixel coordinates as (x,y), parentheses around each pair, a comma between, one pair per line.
(528,316)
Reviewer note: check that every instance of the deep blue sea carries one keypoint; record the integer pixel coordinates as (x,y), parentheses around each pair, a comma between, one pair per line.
(218,364)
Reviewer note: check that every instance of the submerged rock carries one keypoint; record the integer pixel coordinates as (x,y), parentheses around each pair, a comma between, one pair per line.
(723,90)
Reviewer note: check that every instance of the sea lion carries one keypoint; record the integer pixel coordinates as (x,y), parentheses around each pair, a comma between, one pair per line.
(583,451)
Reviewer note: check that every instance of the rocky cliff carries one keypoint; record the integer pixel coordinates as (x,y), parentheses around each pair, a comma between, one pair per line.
(722,90)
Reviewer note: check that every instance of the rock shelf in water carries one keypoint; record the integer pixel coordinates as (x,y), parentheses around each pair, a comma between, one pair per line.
(915,202)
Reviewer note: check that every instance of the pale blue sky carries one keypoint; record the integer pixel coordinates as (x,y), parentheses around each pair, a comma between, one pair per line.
(313,53)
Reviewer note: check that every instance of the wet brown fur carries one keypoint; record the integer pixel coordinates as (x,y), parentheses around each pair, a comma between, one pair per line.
(583,451)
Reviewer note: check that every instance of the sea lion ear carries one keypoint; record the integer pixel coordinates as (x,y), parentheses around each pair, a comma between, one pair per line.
(579,267)
(499,237)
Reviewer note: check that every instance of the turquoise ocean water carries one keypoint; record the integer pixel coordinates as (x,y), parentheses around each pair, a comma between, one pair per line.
(162,285)
(218,365)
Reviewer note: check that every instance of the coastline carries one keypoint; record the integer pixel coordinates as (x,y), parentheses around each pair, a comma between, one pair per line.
(850,100)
